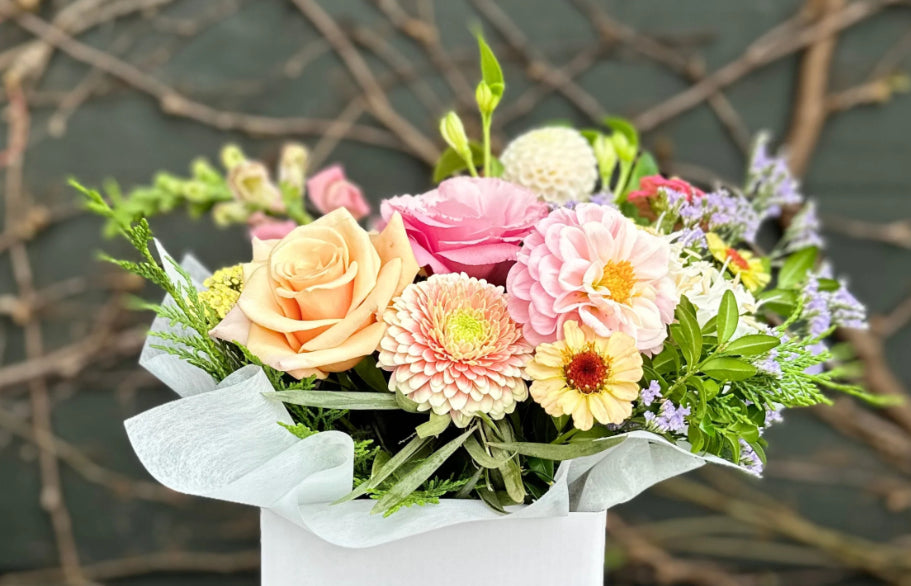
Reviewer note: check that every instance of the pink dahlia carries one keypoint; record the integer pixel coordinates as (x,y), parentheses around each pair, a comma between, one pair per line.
(470,225)
(592,265)
(452,347)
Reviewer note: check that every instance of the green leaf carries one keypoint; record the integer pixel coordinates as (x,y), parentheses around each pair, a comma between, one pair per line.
(752,345)
(688,335)
(558,451)
(728,316)
(780,301)
(696,437)
(645,166)
(451,162)
(829,285)
(435,426)
(796,266)
(625,128)
(337,399)
(405,404)
(371,374)
(386,470)
(511,471)
(710,389)
(724,368)
(483,459)
(417,475)
(667,361)
(491,72)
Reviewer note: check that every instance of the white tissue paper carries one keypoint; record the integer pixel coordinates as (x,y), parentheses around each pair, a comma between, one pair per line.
(223,441)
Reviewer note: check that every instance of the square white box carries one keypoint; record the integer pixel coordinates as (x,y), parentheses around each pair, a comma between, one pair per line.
(552,550)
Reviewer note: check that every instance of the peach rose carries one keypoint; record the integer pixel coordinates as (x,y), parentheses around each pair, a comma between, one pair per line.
(311,300)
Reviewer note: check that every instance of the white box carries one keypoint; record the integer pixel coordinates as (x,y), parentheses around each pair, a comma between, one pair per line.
(525,552)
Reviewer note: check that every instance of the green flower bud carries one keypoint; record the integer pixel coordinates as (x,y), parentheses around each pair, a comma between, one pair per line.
(196,191)
(204,171)
(486,98)
(454,134)
(168,183)
(232,212)
(605,154)
(250,183)
(625,150)
(232,156)
(292,169)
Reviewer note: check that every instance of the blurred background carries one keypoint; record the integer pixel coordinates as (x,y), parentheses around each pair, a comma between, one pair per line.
(120,89)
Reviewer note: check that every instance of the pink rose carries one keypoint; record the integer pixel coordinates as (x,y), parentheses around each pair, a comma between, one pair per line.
(268,228)
(470,225)
(330,189)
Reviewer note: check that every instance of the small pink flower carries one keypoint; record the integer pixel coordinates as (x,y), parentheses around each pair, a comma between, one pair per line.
(470,225)
(594,266)
(330,189)
(264,227)
(650,186)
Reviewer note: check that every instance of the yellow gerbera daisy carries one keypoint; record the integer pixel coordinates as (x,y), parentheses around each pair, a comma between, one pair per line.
(742,263)
(586,376)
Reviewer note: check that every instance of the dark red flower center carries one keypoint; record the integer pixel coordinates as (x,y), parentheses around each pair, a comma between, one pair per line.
(738,260)
(586,372)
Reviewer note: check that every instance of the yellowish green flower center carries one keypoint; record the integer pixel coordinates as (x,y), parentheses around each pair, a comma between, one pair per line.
(618,278)
(466,326)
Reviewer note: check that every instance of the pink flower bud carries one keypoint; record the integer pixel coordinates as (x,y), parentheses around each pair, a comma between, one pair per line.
(330,189)
(265,228)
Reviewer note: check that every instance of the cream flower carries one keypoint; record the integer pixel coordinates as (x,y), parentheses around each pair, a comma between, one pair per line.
(587,376)
(704,286)
(555,162)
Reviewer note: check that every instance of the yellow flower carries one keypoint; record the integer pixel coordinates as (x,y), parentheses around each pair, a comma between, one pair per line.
(742,263)
(586,376)
(222,289)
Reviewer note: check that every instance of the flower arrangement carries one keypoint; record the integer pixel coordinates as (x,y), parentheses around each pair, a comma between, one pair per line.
(532,309)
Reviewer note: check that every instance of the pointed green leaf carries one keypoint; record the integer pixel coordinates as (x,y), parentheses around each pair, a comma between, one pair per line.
(644,167)
(482,458)
(559,451)
(724,368)
(419,474)
(625,128)
(337,399)
(752,345)
(386,470)
(371,374)
(795,268)
(434,427)
(688,335)
(728,316)
(491,72)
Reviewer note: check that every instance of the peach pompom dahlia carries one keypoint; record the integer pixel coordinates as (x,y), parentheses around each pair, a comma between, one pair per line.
(452,347)
(587,376)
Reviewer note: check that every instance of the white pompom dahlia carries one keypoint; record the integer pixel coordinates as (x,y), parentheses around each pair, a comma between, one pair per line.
(555,162)
(452,347)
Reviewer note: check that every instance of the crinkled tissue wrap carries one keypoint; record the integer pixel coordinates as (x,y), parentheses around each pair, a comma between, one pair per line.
(222,441)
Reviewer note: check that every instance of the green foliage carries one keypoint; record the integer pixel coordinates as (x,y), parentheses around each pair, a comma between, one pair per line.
(429,494)
(204,188)
(183,307)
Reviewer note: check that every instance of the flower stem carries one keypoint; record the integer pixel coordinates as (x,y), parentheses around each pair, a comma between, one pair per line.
(486,120)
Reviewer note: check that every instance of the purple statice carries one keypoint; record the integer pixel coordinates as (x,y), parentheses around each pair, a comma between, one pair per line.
(749,459)
(847,311)
(672,419)
(650,393)
(770,184)
(769,364)
(721,211)
(816,349)
(773,415)
(691,238)
(804,230)
(816,308)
